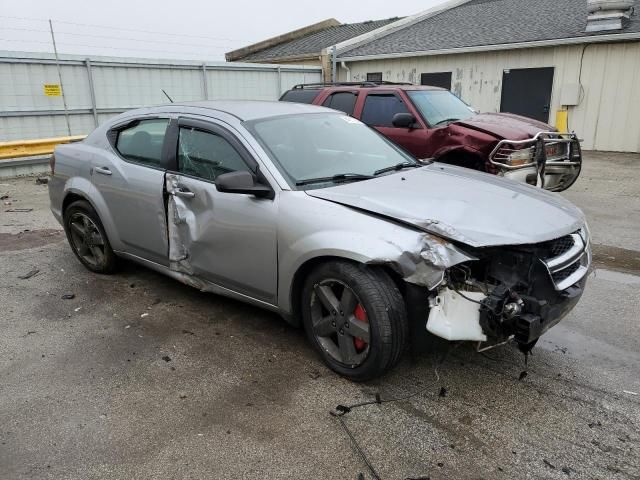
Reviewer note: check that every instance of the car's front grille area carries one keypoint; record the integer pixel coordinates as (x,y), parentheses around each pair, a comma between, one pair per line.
(567,259)
(559,246)
(561,275)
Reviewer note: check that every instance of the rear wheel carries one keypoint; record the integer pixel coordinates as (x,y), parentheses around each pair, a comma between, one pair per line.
(87,237)
(355,317)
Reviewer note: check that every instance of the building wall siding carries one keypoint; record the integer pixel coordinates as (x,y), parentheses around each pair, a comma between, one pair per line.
(608,117)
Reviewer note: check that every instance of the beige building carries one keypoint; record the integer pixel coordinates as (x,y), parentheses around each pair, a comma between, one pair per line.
(574,63)
(533,57)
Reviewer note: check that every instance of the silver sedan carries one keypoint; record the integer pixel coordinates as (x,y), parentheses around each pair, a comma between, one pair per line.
(308,212)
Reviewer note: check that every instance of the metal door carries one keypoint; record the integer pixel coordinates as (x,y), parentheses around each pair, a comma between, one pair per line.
(133,188)
(226,238)
(527,92)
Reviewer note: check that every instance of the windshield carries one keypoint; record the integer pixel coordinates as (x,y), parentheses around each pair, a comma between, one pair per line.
(325,145)
(440,107)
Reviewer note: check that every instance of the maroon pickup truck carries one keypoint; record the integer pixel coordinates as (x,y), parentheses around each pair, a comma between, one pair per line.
(431,122)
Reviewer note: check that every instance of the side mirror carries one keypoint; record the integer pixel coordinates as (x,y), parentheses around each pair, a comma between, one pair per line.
(242,182)
(403,120)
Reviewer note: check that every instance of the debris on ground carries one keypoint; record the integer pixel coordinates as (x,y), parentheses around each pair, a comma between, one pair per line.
(187,332)
(4,197)
(77,309)
(314,375)
(29,274)
(166,358)
(182,395)
(549,464)
(443,392)
(68,296)
(144,315)
(18,210)
(523,375)
(42,180)
(629,392)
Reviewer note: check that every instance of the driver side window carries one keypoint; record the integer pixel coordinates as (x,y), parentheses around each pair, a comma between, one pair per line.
(206,155)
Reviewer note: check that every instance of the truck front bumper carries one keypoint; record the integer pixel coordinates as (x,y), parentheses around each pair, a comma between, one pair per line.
(555,160)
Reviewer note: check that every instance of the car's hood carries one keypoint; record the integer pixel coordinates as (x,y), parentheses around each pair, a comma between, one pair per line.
(505,125)
(474,208)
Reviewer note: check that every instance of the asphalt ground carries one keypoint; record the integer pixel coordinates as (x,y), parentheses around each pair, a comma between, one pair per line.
(139,376)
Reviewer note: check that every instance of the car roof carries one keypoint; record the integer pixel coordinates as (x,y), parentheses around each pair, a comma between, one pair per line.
(364,86)
(241,109)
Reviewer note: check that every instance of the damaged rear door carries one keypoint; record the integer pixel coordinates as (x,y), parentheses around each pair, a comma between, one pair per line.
(228,239)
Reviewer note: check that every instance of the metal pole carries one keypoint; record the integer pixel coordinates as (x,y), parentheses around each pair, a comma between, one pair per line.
(64,100)
(279,82)
(205,87)
(92,91)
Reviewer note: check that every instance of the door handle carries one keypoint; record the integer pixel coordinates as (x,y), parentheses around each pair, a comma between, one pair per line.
(182,192)
(102,170)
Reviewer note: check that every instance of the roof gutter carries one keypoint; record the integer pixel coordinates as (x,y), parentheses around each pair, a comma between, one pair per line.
(615,37)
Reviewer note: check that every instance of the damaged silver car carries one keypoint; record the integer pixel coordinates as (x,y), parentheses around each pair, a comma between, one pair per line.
(308,212)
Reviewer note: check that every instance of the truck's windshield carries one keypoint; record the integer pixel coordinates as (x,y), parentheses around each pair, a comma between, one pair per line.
(440,107)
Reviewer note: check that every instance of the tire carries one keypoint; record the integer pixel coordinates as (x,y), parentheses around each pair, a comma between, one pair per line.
(88,239)
(374,307)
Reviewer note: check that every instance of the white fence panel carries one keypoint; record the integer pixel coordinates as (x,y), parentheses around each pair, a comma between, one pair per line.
(101,87)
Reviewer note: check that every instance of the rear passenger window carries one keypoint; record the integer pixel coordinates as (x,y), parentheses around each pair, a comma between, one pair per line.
(143,142)
(379,110)
(206,155)
(300,95)
(343,101)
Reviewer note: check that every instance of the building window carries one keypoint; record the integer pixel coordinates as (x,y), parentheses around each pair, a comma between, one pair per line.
(436,79)
(374,77)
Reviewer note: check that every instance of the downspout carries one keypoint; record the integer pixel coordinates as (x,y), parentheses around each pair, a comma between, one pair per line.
(344,65)
(334,61)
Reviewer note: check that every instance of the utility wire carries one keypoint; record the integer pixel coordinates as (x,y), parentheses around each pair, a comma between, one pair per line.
(156,32)
(111,37)
(199,54)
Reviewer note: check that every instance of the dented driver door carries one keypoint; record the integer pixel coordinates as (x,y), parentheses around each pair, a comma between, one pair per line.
(227,239)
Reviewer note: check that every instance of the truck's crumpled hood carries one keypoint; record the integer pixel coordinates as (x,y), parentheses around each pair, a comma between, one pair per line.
(505,125)
(474,208)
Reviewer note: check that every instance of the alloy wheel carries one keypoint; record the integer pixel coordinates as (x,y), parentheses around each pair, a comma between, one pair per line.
(340,323)
(87,239)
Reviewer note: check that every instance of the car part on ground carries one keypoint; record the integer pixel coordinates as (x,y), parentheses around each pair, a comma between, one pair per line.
(431,122)
(309,213)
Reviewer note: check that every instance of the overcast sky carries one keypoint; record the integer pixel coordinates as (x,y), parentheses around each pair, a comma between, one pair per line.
(187,29)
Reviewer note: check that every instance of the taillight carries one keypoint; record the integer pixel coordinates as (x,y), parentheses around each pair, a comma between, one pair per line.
(52,164)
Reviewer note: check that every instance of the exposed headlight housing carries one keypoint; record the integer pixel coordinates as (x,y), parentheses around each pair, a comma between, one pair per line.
(520,157)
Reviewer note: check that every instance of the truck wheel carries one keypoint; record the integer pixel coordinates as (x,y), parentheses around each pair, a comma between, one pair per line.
(355,318)
(87,238)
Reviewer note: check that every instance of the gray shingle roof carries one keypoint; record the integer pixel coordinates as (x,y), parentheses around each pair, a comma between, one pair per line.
(489,22)
(315,42)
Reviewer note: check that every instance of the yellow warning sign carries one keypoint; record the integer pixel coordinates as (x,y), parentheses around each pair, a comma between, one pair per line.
(52,90)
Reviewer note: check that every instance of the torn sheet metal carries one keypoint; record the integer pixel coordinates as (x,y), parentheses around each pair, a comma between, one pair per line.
(453,317)
(426,265)
(178,216)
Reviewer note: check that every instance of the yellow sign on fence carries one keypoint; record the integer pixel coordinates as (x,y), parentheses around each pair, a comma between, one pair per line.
(52,90)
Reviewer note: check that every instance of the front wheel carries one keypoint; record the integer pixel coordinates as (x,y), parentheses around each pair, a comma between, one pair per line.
(355,318)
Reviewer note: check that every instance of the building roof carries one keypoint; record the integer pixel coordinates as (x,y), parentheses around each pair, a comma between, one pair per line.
(313,43)
(478,23)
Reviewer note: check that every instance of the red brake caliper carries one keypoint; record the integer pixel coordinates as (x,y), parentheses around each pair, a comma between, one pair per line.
(361,315)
